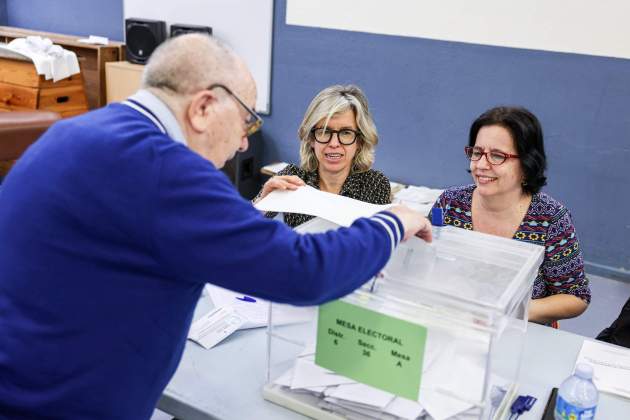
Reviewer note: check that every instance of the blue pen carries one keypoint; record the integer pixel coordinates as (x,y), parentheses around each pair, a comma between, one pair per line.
(246,299)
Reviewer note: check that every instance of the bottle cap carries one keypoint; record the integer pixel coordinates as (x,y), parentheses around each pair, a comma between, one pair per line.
(584,371)
(437,216)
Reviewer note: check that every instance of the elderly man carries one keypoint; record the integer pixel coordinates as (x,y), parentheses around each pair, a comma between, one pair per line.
(112,223)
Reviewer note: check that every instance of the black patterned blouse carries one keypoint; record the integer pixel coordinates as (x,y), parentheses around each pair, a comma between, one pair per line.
(370,186)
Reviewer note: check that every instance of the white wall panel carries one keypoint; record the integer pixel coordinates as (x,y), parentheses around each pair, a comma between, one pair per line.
(245,25)
(575,26)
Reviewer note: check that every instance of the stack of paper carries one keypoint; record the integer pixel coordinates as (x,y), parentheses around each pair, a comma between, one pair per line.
(256,311)
(234,311)
(611,366)
(348,398)
(417,198)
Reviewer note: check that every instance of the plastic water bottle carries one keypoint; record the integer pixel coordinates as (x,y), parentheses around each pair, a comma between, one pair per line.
(577,396)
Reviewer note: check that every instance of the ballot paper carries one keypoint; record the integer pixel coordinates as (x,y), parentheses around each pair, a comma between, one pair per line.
(417,198)
(215,326)
(256,311)
(404,409)
(308,200)
(307,374)
(611,366)
(344,396)
(362,394)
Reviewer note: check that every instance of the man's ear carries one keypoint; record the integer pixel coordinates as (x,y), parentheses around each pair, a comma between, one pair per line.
(200,110)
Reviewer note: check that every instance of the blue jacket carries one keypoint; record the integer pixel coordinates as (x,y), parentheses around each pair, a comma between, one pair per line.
(110,229)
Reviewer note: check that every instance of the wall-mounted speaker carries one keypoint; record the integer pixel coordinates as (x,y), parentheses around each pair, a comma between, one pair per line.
(142,37)
(181,29)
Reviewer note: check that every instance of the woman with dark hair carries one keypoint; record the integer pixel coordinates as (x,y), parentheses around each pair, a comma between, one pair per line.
(507,164)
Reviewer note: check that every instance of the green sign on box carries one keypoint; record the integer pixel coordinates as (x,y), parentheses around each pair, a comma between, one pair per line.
(370,347)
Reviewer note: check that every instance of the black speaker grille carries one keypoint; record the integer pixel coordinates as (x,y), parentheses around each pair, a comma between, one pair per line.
(141,41)
(142,38)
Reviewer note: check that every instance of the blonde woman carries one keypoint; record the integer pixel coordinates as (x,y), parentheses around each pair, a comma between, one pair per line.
(337,141)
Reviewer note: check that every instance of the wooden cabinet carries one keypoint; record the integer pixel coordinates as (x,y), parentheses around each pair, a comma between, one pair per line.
(22,89)
(92,58)
(123,80)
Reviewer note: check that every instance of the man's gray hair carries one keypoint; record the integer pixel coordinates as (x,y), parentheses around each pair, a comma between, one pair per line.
(189,63)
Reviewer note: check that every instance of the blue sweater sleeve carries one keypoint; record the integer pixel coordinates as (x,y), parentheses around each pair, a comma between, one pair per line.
(205,232)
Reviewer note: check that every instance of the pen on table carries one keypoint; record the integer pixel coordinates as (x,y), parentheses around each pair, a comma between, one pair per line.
(246,298)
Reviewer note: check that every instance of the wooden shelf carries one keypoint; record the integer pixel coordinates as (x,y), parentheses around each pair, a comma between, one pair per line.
(92,58)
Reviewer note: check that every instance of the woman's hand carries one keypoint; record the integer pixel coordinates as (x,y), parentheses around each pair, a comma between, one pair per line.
(280,182)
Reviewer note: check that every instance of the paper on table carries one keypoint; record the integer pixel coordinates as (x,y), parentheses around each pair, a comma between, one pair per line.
(308,200)
(611,366)
(215,326)
(257,311)
(417,198)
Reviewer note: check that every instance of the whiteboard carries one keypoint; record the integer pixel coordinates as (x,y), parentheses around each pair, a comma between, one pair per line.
(246,26)
(573,26)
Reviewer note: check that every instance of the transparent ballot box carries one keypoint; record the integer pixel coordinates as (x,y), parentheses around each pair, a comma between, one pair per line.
(437,334)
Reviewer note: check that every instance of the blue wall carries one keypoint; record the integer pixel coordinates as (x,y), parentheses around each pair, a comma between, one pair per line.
(76,17)
(3,12)
(424,94)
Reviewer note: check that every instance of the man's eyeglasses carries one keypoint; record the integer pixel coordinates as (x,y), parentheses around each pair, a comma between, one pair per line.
(494,157)
(346,136)
(253,122)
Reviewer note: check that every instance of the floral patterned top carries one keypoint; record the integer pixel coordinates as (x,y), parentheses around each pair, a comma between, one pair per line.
(547,223)
(370,186)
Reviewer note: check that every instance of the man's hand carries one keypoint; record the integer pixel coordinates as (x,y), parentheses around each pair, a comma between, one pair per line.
(413,223)
(280,182)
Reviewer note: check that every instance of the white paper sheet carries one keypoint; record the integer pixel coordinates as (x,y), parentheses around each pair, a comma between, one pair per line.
(404,408)
(257,311)
(308,200)
(611,366)
(362,394)
(215,326)
(307,374)
(275,167)
(420,199)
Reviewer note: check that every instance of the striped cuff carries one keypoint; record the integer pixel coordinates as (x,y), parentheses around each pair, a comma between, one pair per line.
(392,225)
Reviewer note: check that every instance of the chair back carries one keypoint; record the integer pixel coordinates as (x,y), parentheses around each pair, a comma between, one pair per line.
(18,130)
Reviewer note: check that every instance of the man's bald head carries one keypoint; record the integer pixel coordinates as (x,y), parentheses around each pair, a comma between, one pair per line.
(189,63)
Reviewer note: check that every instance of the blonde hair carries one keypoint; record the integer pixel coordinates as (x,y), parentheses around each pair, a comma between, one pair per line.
(330,101)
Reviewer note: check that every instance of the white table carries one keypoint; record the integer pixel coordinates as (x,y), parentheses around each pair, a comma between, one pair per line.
(226,382)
